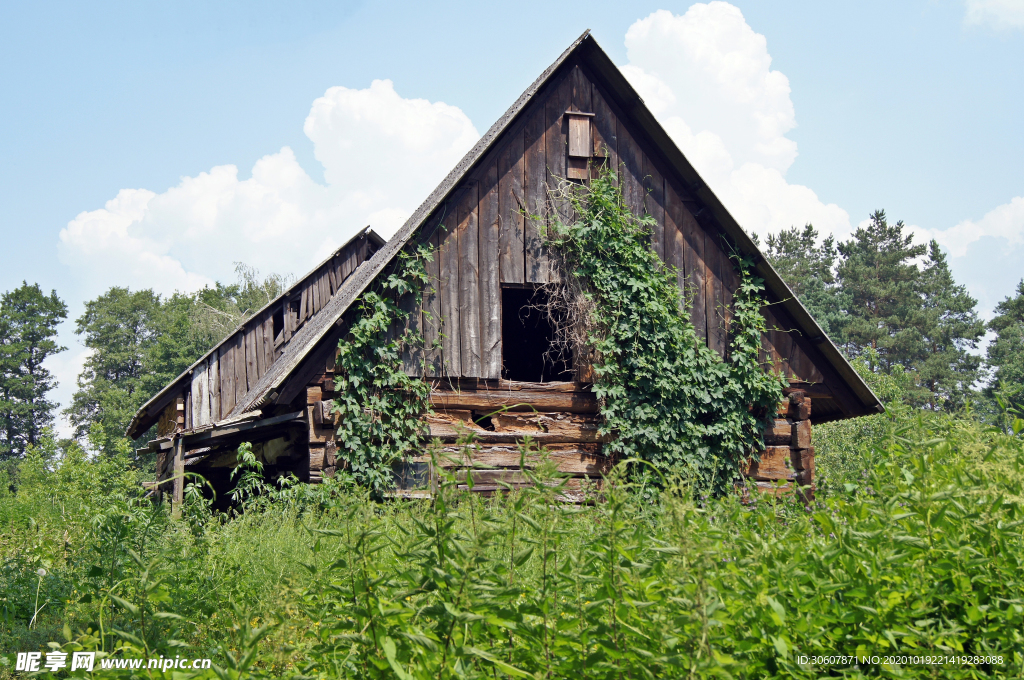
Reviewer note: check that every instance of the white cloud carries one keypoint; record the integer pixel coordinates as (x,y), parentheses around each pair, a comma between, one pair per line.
(999,14)
(382,154)
(707,76)
(1005,222)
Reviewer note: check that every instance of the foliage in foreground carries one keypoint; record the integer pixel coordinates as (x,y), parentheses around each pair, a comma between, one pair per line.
(923,556)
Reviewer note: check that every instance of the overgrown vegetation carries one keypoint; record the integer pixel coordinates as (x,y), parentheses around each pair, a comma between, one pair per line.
(666,396)
(917,550)
(379,405)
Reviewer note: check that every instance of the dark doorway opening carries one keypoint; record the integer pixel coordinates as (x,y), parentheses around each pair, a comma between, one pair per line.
(526,339)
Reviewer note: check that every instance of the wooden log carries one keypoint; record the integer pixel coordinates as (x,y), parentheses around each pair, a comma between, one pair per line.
(178,488)
(780,433)
(469,282)
(803,459)
(570,402)
(490,279)
(511,207)
(573,427)
(535,173)
(802,434)
(570,459)
(654,204)
(774,464)
(451,336)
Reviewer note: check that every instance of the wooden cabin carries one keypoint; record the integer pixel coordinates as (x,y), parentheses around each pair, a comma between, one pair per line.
(270,382)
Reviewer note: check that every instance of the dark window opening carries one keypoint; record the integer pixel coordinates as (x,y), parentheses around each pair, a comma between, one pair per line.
(278,322)
(526,338)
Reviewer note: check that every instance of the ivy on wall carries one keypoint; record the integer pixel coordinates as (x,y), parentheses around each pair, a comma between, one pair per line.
(379,404)
(665,395)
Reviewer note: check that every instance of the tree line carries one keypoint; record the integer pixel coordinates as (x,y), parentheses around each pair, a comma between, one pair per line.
(882,298)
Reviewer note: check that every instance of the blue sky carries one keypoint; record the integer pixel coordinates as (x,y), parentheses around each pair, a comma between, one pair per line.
(914,107)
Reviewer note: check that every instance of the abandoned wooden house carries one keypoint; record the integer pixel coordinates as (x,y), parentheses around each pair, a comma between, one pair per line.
(271,381)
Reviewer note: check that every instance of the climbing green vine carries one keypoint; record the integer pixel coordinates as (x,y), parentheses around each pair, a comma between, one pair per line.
(379,404)
(665,396)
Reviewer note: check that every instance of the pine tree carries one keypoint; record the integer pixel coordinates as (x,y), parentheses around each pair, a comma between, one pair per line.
(1006,353)
(807,267)
(878,272)
(950,329)
(28,325)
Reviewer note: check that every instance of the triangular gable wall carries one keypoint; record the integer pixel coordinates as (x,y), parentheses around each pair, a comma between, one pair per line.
(483,241)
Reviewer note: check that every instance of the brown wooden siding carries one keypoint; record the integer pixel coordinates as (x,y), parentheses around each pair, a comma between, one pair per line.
(242,358)
(491,234)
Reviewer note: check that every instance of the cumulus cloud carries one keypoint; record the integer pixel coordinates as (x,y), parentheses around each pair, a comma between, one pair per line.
(1004,222)
(707,76)
(382,154)
(999,14)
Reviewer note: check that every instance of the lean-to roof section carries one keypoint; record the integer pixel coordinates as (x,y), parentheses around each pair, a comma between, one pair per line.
(316,338)
(150,411)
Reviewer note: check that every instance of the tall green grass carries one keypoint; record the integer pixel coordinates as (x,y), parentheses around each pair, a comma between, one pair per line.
(916,548)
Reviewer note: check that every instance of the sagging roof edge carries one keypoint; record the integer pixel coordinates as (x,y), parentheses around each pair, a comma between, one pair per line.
(627,99)
(160,400)
(634,106)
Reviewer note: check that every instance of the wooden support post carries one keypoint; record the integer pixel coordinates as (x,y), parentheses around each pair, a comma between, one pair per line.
(178,493)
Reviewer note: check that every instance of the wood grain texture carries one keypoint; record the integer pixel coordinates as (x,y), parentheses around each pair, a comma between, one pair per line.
(696,272)
(774,465)
(213,378)
(714,299)
(412,353)
(469,281)
(573,459)
(511,206)
(605,131)
(654,204)
(675,244)
(536,196)
(200,396)
(490,279)
(431,308)
(227,378)
(451,338)
(268,341)
(631,169)
(250,358)
(261,357)
(488,401)
(556,140)
(582,91)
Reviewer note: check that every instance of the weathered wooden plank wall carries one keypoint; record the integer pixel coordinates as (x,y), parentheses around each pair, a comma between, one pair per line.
(492,235)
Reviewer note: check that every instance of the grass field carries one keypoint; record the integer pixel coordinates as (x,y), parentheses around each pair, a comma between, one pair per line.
(914,547)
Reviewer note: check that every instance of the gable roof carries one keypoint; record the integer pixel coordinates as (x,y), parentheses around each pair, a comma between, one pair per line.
(149,412)
(317,336)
